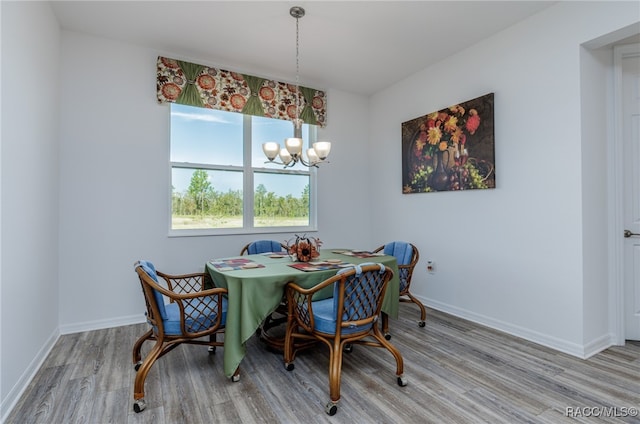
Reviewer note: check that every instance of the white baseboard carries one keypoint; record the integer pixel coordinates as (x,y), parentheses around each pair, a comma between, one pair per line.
(574,349)
(9,402)
(102,324)
(598,345)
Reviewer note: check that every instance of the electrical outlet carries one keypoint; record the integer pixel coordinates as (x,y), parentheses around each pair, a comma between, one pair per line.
(431,266)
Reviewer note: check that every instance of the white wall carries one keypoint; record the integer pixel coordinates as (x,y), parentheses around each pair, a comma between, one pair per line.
(512,257)
(115,179)
(29,196)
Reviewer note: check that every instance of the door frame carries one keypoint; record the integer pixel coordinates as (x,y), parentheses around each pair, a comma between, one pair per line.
(615,200)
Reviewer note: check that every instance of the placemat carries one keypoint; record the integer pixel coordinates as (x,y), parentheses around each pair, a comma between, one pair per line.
(362,254)
(234,264)
(309,267)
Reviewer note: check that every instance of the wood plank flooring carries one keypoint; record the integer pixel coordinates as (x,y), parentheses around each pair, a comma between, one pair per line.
(458,372)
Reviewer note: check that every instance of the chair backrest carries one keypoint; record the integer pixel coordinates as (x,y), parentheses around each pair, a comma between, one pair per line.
(262,246)
(146,270)
(407,256)
(363,292)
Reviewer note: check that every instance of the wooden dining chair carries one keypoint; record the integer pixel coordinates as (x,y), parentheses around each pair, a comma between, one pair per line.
(349,317)
(407,256)
(192,313)
(263,246)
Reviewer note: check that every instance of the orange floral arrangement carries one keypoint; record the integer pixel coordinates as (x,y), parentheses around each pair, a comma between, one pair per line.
(446,128)
(304,248)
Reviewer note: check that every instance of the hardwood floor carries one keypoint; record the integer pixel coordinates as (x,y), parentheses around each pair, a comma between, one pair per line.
(458,372)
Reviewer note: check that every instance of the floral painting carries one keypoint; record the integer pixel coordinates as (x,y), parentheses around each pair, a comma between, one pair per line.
(450,149)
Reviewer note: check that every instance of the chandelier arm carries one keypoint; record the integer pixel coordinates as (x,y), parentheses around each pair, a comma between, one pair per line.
(295,160)
(285,165)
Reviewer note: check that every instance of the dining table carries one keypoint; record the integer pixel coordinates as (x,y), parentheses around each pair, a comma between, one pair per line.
(256,285)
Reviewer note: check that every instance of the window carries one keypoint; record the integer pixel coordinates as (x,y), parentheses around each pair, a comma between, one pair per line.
(220,183)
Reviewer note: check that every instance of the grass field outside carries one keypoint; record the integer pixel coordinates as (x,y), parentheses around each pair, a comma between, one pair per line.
(190,222)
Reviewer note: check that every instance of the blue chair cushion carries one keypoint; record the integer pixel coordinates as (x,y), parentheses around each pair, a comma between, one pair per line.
(325,318)
(264,246)
(205,320)
(148,268)
(402,251)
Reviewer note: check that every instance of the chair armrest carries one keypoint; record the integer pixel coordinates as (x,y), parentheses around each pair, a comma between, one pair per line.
(190,275)
(299,301)
(204,293)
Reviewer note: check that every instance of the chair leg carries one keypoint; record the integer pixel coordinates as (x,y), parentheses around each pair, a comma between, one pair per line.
(288,345)
(236,375)
(396,354)
(423,311)
(335,370)
(141,376)
(137,347)
(385,326)
(212,340)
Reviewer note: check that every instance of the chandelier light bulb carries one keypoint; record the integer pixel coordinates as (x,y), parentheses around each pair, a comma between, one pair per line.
(271,150)
(322,149)
(293,145)
(313,157)
(285,156)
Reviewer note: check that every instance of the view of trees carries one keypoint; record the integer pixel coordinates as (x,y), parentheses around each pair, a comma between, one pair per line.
(201,200)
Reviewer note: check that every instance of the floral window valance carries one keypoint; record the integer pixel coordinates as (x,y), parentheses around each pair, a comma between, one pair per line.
(203,86)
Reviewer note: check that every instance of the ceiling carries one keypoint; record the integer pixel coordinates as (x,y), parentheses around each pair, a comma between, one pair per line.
(356,46)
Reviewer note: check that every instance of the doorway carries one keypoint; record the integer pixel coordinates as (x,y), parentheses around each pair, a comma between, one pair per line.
(627,67)
(621,256)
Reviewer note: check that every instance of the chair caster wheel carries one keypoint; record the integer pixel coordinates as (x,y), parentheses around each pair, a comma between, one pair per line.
(212,350)
(348,348)
(402,381)
(421,323)
(387,336)
(289,366)
(137,365)
(139,406)
(331,408)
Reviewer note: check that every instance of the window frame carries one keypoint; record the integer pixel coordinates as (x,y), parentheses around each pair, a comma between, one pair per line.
(248,193)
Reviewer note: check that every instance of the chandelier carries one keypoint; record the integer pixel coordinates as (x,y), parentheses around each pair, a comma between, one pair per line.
(291,153)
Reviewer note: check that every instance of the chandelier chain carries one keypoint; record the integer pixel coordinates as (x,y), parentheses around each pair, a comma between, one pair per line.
(297,68)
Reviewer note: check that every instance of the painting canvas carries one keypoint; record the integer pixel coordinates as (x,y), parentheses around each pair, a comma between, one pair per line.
(450,149)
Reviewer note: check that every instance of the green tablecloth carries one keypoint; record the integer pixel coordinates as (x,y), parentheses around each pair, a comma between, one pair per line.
(256,293)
